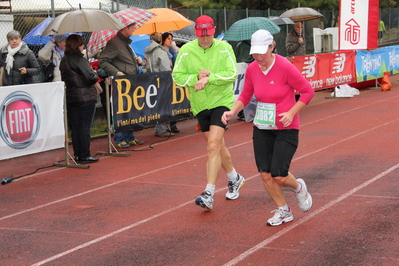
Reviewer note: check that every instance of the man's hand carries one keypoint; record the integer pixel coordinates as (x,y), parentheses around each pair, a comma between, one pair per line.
(139,60)
(203,74)
(200,84)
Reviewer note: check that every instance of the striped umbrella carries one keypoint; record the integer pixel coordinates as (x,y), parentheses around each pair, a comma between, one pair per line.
(244,28)
(99,39)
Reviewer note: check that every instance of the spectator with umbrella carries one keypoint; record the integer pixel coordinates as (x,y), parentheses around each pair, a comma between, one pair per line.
(295,43)
(118,59)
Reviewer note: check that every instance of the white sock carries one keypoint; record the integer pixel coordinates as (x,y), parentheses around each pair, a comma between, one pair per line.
(299,188)
(284,208)
(210,188)
(232,176)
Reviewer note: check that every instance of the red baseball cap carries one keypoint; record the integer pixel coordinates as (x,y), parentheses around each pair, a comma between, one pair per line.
(204,26)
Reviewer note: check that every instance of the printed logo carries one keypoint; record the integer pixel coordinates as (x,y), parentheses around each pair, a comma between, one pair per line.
(339,63)
(19,120)
(352,32)
(309,66)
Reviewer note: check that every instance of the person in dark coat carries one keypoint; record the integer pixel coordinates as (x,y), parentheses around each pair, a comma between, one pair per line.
(295,43)
(19,62)
(118,59)
(81,97)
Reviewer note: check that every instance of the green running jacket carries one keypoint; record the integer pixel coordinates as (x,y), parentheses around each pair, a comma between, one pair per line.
(220,60)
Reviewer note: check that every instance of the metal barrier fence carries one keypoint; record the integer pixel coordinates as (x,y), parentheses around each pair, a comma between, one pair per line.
(24,15)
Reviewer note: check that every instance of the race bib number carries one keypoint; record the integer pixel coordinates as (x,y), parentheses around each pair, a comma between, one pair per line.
(265,117)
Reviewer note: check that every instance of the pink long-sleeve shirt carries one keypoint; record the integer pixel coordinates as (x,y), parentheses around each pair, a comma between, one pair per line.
(278,86)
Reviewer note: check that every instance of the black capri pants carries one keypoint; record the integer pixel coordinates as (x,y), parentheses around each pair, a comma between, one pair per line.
(274,150)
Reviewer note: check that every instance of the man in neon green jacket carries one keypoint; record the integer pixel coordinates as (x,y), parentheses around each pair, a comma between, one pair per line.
(207,67)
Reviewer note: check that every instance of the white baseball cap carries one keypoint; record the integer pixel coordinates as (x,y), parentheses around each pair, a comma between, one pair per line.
(260,42)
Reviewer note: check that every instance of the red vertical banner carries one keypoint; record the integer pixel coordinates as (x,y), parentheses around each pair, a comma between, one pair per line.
(358,24)
(374,20)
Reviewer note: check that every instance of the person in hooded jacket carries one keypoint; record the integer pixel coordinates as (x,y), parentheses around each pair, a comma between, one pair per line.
(157,55)
(167,42)
(81,97)
(158,61)
(52,52)
(19,62)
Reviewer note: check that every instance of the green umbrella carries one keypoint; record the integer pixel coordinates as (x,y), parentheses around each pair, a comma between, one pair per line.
(244,28)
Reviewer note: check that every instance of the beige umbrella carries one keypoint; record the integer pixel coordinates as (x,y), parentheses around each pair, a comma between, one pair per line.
(82,20)
(300,14)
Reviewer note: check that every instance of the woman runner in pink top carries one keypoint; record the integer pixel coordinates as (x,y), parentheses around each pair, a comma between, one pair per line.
(273,80)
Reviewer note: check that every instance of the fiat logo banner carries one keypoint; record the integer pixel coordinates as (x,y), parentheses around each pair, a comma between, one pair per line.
(19,120)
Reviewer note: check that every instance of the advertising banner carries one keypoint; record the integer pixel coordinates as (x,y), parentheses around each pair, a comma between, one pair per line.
(144,100)
(31,119)
(358,24)
(327,70)
(372,64)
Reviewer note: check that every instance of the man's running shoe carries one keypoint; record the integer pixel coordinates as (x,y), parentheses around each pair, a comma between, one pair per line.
(303,197)
(234,188)
(205,200)
(280,216)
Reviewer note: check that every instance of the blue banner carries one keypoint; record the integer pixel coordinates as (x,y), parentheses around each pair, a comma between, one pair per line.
(371,65)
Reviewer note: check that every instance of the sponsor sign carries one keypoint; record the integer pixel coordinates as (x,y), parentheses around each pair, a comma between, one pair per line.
(358,24)
(371,65)
(31,119)
(327,70)
(144,100)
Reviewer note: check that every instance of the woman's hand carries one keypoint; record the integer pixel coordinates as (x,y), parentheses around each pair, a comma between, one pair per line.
(227,116)
(23,70)
(286,118)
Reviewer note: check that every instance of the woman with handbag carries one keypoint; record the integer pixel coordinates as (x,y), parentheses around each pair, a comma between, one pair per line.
(19,62)
(81,97)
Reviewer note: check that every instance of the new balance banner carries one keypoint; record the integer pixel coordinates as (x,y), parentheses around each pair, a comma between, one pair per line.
(31,119)
(358,24)
(327,70)
(144,100)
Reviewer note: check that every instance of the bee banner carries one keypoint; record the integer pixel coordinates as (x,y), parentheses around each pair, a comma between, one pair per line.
(143,100)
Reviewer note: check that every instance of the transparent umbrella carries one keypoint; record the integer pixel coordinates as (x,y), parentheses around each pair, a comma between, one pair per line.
(186,34)
(281,21)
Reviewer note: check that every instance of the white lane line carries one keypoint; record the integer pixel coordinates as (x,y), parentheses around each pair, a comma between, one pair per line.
(173,165)
(267,241)
(121,230)
(99,188)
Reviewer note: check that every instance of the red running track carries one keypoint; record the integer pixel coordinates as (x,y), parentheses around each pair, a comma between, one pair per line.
(139,210)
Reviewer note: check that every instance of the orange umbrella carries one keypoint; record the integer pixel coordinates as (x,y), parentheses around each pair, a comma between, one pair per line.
(165,20)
